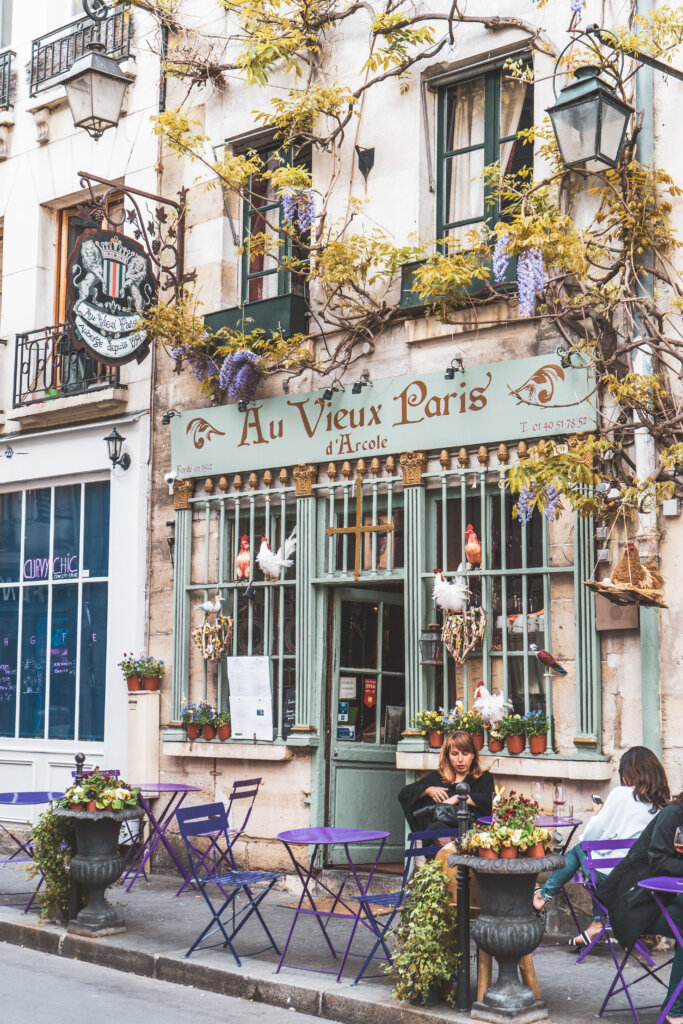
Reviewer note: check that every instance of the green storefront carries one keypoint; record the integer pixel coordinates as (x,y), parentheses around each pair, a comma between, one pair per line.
(381,487)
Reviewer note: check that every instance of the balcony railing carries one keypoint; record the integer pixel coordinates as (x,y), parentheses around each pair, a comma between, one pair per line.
(53,54)
(48,365)
(6,78)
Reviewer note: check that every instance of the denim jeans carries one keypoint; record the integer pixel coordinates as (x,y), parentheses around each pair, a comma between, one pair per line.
(575,860)
(662,927)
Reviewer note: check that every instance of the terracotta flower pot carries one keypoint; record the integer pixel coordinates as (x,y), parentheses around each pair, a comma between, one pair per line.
(133,683)
(508,852)
(194,730)
(478,738)
(91,805)
(224,731)
(515,744)
(75,807)
(488,854)
(209,732)
(538,744)
(537,850)
(435,738)
(150,682)
(495,745)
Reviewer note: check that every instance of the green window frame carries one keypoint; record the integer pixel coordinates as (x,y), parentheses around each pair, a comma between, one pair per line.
(488,143)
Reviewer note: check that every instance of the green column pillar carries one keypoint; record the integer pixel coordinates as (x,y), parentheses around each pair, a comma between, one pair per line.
(304,732)
(182,492)
(412,465)
(649,680)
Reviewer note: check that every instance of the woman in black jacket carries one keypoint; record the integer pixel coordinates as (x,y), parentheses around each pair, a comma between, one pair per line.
(458,762)
(632,910)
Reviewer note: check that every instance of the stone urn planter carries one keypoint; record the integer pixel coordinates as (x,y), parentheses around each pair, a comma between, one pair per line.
(508,928)
(96,865)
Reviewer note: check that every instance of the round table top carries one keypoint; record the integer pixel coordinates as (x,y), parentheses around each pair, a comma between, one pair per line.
(165,787)
(543,821)
(329,836)
(33,796)
(663,883)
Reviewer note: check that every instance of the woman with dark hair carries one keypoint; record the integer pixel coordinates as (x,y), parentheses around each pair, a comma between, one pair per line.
(628,809)
(632,910)
(458,762)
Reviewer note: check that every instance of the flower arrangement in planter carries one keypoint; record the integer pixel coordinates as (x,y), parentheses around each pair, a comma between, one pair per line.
(536,726)
(512,729)
(99,791)
(213,638)
(506,841)
(495,740)
(130,666)
(432,724)
(198,718)
(426,957)
(150,671)
(222,722)
(473,723)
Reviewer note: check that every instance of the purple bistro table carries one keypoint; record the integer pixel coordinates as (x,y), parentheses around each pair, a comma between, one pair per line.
(317,837)
(157,828)
(669,887)
(25,798)
(549,821)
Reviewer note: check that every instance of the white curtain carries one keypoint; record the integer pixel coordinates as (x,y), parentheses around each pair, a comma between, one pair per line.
(512,96)
(464,185)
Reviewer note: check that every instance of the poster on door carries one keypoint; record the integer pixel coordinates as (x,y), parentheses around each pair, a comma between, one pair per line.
(369,692)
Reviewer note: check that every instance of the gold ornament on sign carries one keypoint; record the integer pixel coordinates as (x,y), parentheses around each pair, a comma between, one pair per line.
(464,457)
(223,484)
(375,467)
(522,449)
(483,455)
(208,485)
(332,471)
(412,467)
(462,631)
(304,478)
(237,482)
(253,481)
(444,459)
(390,465)
(268,479)
(284,478)
(182,492)
(503,454)
(213,638)
(346,470)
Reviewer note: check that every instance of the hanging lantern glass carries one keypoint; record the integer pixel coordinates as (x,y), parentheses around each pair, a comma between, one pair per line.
(589,121)
(431,651)
(95,88)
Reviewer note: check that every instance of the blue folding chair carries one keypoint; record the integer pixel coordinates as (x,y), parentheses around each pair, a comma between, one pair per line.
(393,901)
(196,823)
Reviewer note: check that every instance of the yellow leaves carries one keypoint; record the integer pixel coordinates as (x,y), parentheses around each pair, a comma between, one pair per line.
(442,281)
(658,33)
(360,260)
(178,132)
(636,390)
(298,112)
(235,170)
(399,39)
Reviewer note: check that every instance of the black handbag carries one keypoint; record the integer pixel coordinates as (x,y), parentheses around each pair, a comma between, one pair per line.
(443,814)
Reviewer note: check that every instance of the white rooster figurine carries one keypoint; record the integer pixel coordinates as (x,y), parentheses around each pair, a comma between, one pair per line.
(271,564)
(491,706)
(452,597)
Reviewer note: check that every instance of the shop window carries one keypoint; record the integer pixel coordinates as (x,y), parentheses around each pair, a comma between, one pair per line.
(478,122)
(54,565)
(363,553)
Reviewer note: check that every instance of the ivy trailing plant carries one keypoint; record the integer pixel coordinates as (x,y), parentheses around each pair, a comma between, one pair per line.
(52,839)
(426,952)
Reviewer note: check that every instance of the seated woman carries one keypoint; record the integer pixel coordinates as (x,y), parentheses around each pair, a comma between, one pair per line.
(458,762)
(632,910)
(628,809)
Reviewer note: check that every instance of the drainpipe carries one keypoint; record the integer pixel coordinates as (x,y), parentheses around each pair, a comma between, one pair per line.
(646,457)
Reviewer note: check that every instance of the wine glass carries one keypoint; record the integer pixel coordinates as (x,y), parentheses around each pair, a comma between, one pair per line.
(537,792)
(678,840)
(559,800)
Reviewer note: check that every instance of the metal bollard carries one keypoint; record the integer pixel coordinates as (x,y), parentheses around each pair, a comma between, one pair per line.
(463,998)
(75,889)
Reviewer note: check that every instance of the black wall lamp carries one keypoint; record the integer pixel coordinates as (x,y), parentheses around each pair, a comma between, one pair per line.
(366,160)
(456,365)
(332,389)
(114,446)
(362,382)
(168,416)
(170,540)
(243,404)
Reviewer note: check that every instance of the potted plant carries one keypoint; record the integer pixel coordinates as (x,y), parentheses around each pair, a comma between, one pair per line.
(512,729)
(472,723)
(188,716)
(425,958)
(536,725)
(151,670)
(495,740)
(130,667)
(432,724)
(480,842)
(223,725)
(206,717)
(537,841)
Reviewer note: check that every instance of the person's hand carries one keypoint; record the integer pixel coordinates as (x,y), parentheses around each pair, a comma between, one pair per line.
(451,800)
(597,807)
(437,793)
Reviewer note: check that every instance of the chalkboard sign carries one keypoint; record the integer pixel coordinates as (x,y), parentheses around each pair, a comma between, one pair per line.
(288,717)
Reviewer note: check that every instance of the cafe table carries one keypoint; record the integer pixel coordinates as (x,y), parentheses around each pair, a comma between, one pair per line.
(345,906)
(155,828)
(660,888)
(24,798)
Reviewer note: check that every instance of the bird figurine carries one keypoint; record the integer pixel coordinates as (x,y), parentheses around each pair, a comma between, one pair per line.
(243,560)
(629,572)
(271,564)
(210,606)
(655,579)
(452,597)
(472,546)
(546,659)
(491,706)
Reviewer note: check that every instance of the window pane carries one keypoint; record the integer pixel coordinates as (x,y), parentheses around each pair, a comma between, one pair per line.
(96,530)
(10,537)
(464,196)
(358,636)
(63,639)
(9,632)
(93,661)
(37,534)
(465,115)
(33,661)
(516,114)
(66,540)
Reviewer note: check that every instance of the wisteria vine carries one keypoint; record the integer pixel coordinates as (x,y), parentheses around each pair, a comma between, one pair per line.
(530,279)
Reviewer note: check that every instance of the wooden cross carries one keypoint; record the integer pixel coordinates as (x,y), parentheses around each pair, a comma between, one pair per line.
(358,529)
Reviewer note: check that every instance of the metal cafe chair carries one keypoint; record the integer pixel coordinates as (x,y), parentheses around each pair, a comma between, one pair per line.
(393,901)
(214,855)
(211,820)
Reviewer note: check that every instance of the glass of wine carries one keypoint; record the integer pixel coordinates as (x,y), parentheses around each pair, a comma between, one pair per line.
(678,840)
(559,800)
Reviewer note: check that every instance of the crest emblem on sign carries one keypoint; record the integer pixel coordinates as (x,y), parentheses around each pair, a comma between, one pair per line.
(111,283)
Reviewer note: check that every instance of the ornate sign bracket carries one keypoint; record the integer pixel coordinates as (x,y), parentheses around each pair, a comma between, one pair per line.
(161,235)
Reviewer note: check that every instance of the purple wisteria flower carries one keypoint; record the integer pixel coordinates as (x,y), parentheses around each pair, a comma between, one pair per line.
(525,504)
(239,375)
(530,279)
(552,500)
(577,6)
(501,258)
(299,205)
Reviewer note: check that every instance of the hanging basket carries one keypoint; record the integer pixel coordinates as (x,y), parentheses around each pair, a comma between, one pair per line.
(623,593)
(462,631)
(213,638)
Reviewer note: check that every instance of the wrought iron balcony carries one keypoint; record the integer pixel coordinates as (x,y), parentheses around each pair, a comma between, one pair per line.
(48,365)
(6,78)
(53,54)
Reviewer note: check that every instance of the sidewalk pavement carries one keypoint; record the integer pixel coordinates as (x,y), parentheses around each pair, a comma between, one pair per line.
(161,928)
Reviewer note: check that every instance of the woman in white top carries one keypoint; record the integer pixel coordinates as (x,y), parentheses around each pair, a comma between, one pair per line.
(625,813)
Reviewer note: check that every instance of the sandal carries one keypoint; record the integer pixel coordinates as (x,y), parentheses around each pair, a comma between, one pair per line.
(580,941)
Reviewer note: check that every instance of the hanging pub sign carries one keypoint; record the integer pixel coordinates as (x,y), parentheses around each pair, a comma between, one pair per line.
(111,284)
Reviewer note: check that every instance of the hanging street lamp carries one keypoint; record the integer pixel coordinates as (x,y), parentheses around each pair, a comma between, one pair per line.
(95,84)
(114,443)
(590,121)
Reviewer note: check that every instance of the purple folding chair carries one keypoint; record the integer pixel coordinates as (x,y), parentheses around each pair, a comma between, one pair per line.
(214,856)
(637,953)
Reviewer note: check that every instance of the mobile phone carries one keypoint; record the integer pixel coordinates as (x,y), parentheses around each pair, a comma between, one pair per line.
(596,798)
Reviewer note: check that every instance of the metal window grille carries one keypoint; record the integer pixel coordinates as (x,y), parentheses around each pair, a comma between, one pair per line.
(6,78)
(266,623)
(54,53)
(49,365)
